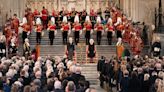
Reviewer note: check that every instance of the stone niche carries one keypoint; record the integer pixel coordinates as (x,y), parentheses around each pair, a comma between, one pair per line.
(79,5)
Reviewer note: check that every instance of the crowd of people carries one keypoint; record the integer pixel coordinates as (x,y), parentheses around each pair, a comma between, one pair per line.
(50,74)
(135,74)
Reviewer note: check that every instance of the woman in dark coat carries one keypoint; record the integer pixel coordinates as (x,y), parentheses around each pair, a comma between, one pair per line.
(146,83)
(134,83)
(70,49)
(91,50)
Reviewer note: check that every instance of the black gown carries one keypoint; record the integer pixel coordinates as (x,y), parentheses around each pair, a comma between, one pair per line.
(91,49)
(70,48)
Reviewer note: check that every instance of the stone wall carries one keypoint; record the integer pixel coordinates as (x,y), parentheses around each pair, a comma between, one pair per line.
(141,10)
(10,7)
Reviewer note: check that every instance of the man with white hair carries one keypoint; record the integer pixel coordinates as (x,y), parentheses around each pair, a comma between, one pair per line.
(70,49)
(39,29)
(77,76)
(70,87)
(58,86)
(26,48)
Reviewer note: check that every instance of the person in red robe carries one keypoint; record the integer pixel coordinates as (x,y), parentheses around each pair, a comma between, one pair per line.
(36,13)
(52,30)
(114,14)
(65,28)
(39,29)
(8,32)
(44,17)
(30,19)
(88,29)
(77,28)
(127,35)
(100,30)
(15,24)
(110,30)
(92,15)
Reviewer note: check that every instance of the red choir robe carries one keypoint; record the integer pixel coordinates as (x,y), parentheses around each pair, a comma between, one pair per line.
(30,19)
(44,14)
(92,13)
(114,18)
(15,25)
(54,13)
(36,13)
(127,36)
(8,33)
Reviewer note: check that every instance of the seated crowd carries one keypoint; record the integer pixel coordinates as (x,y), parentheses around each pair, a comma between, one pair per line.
(50,74)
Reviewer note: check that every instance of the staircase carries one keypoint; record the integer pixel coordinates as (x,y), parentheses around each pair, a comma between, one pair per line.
(55,50)
(81,53)
(106,50)
(90,72)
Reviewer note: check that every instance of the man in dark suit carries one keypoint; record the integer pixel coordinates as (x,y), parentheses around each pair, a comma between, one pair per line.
(77,77)
(100,68)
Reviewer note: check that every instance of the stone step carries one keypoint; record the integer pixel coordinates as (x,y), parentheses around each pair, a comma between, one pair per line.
(55,50)
(90,72)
